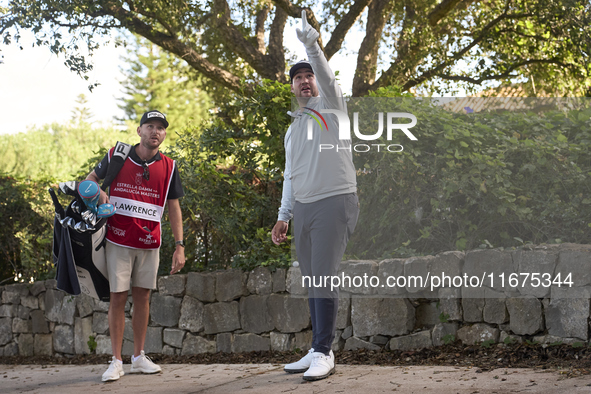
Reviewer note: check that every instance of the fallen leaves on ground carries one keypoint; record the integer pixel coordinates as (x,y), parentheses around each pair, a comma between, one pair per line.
(570,361)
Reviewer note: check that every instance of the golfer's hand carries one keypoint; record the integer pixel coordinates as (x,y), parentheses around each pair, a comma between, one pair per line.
(279,233)
(308,35)
(178,260)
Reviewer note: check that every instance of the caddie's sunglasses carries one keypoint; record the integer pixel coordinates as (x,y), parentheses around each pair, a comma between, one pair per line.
(146,171)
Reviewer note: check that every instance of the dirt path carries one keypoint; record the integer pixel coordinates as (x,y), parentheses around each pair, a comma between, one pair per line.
(270,378)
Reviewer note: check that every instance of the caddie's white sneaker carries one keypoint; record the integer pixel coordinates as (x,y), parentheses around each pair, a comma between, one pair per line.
(322,366)
(114,372)
(143,364)
(301,365)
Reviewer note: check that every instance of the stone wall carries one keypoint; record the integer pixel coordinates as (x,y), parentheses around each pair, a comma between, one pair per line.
(235,311)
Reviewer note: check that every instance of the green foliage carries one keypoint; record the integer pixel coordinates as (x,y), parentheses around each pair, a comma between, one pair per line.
(578,345)
(26,223)
(156,79)
(390,91)
(508,340)
(30,163)
(261,251)
(492,178)
(444,317)
(56,151)
(92,343)
(231,173)
(488,343)
(449,338)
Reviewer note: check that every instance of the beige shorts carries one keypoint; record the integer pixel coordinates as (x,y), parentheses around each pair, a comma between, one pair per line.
(128,266)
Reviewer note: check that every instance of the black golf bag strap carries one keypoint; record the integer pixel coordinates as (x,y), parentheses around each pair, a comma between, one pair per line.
(120,154)
(101,245)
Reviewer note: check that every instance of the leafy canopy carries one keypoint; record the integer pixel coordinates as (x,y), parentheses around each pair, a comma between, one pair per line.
(426,45)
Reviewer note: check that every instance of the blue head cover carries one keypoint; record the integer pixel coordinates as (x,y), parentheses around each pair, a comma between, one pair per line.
(105,210)
(89,191)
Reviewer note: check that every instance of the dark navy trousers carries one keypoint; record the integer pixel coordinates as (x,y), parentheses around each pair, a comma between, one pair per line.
(321,232)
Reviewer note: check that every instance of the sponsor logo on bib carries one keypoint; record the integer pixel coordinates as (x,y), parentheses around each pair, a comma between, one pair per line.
(148,240)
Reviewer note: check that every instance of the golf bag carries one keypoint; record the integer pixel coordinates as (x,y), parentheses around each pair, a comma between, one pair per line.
(79,238)
(79,256)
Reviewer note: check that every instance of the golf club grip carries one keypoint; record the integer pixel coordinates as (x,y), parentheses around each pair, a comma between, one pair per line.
(58,207)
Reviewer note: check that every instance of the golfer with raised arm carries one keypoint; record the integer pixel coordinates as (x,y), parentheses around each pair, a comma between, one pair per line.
(319,192)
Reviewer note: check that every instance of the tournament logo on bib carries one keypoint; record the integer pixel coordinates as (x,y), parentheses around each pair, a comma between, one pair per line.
(117,231)
(138,178)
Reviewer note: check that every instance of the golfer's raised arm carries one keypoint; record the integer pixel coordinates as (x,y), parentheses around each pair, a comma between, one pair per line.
(325,78)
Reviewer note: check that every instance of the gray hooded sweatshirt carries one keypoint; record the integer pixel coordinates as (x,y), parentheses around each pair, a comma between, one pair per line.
(314,170)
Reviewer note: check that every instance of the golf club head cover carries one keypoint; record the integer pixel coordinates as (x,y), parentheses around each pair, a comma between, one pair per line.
(105,211)
(89,191)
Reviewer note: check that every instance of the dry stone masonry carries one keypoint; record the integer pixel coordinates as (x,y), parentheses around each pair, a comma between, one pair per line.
(236,311)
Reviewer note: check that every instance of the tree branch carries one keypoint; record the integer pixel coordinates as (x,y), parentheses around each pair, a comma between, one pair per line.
(260,29)
(174,45)
(506,74)
(386,76)
(343,27)
(367,59)
(443,9)
(160,20)
(407,55)
(275,58)
(520,34)
(236,40)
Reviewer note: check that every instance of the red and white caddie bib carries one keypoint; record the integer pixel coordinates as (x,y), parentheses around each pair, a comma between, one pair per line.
(140,203)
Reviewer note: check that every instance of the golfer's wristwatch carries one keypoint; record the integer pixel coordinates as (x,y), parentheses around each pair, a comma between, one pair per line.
(180,243)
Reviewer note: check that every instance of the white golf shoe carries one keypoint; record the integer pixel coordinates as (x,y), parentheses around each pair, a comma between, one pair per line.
(322,366)
(301,365)
(143,364)
(114,372)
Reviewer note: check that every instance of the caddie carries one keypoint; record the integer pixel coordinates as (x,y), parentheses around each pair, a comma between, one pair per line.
(147,182)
